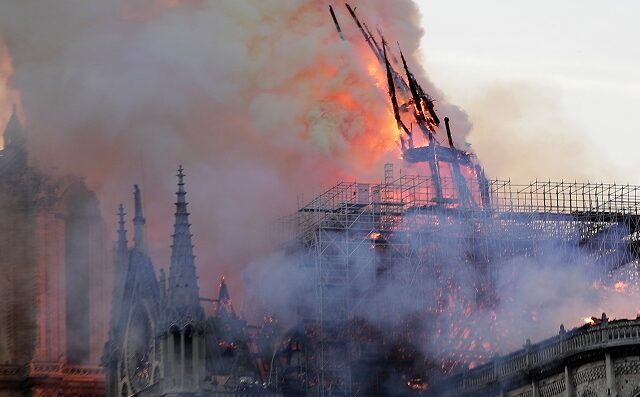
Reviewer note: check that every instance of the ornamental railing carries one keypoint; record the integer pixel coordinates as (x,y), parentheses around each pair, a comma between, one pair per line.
(602,334)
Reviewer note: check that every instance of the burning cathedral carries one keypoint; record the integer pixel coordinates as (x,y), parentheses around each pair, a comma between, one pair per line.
(404,278)
(399,268)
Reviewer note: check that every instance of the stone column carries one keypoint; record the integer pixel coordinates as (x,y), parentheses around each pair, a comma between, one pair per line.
(170,359)
(163,356)
(611,380)
(182,357)
(568,384)
(195,358)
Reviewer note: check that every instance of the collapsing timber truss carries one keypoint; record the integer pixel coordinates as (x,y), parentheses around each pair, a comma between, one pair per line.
(413,106)
(377,247)
(355,233)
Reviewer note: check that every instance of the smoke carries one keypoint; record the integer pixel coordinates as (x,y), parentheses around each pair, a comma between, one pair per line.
(8,96)
(259,100)
(437,303)
(519,132)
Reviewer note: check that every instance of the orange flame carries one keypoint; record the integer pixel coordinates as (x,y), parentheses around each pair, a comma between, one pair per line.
(8,96)
(620,286)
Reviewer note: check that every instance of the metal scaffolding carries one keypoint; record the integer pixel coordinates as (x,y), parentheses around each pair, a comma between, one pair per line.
(355,233)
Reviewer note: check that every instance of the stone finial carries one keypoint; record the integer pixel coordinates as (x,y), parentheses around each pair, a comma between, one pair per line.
(138,221)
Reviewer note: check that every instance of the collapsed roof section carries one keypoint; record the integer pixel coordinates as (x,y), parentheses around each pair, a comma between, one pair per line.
(414,109)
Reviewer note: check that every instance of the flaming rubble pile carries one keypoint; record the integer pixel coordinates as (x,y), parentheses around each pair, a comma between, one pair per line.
(408,275)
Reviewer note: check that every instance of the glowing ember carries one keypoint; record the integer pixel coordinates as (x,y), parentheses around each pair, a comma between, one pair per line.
(620,286)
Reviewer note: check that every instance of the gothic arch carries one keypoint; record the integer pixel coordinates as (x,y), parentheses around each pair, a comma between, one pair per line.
(188,347)
(143,309)
(155,378)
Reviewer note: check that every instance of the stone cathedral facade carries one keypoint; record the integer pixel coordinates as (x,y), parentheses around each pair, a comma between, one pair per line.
(53,291)
(161,343)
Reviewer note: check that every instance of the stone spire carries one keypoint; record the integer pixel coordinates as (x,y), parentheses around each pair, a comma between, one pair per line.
(138,222)
(14,133)
(163,286)
(120,269)
(183,296)
(223,304)
(122,244)
(122,256)
(223,295)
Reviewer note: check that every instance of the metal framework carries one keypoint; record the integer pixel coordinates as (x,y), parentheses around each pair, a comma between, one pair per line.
(355,233)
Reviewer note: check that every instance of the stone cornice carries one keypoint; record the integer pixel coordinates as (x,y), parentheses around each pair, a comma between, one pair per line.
(76,373)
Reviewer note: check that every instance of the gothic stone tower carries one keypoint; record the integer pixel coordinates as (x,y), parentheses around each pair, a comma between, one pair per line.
(132,354)
(184,320)
(53,315)
(160,341)
(156,345)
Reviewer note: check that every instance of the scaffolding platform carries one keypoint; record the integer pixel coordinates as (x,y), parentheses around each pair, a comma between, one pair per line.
(355,233)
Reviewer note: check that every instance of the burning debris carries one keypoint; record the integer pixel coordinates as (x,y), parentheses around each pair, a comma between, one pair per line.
(396,283)
(409,287)
(412,106)
(413,277)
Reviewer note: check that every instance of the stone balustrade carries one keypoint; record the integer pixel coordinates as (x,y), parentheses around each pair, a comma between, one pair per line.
(603,334)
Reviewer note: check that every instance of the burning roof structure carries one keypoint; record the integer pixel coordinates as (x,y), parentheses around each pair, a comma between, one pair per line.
(413,107)
(393,262)
(361,239)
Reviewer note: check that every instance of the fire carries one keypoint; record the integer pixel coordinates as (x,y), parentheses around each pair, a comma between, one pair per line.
(620,286)
(589,320)
(417,384)
(8,96)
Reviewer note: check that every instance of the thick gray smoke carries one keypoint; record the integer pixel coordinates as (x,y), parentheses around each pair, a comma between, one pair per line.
(259,100)
(461,311)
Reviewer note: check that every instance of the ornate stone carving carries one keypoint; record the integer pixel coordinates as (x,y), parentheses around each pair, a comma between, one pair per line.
(589,375)
(552,389)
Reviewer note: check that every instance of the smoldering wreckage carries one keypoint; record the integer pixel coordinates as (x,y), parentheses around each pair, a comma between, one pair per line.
(398,282)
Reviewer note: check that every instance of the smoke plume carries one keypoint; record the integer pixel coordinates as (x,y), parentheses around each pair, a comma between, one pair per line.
(259,100)
(520,133)
(8,96)
(455,311)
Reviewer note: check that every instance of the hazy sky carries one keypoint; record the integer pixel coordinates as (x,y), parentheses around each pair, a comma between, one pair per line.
(564,76)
